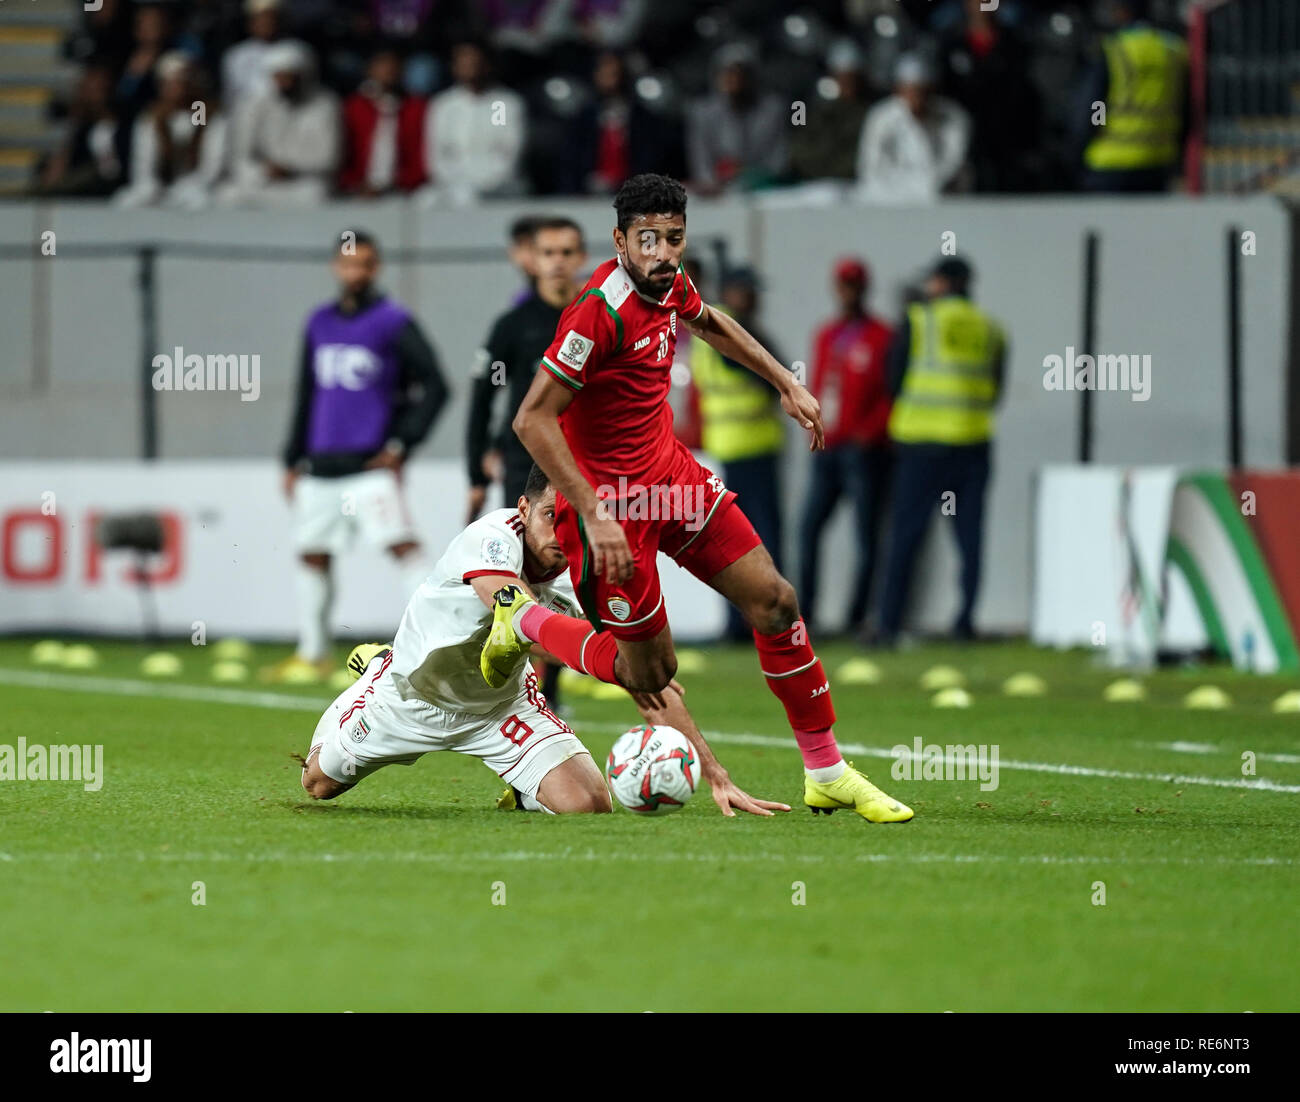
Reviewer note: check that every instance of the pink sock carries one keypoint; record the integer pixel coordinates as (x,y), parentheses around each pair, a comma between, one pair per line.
(574,642)
(818,748)
(530,623)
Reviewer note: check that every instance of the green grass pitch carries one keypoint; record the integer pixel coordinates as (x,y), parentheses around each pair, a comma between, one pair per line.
(412,892)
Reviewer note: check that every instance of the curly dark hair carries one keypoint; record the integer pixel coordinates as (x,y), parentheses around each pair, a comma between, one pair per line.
(648,193)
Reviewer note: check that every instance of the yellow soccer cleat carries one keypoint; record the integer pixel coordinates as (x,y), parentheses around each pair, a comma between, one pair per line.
(500,656)
(853,790)
(509,800)
(362,655)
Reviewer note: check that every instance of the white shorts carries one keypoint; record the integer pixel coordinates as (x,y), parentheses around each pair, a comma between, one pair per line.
(369,726)
(328,512)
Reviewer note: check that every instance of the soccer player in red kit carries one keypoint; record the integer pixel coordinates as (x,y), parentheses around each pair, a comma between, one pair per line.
(597,421)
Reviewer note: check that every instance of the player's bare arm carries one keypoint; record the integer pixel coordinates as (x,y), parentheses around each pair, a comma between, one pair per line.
(537,424)
(735,342)
(668,708)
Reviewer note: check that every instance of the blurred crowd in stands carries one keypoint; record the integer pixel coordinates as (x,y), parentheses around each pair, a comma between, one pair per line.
(452,101)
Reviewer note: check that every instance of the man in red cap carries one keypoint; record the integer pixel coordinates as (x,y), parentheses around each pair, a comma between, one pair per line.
(850,381)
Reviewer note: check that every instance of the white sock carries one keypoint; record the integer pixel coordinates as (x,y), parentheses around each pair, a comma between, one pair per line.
(828,773)
(315,605)
(515,617)
(415,567)
(529,803)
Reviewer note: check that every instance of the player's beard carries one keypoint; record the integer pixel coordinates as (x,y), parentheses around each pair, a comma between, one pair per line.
(646,287)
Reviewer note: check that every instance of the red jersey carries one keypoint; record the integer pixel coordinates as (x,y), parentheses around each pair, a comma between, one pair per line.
(614,348)
(850,380)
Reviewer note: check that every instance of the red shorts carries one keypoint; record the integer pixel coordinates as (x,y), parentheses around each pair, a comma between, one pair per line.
(689,515)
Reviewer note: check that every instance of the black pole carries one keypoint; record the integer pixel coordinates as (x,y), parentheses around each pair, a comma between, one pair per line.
(147,260)
(1234,347)
(1091,247)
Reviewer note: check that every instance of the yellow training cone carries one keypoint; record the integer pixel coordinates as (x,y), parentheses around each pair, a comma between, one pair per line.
(237,671)
(1208,697)
(339,679)
(48,652)
(603,690)
(1024,684)
(79,656)
(1288,702)
(160,664)
(691,662)
(858,671)
(942,677)
(233,650)
(952,697)
(573,683)
(1124,691)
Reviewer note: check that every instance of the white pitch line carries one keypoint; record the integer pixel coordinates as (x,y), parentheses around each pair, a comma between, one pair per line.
(1258,784)
(121,686)
(1210,748)
(673,857)
(257,699)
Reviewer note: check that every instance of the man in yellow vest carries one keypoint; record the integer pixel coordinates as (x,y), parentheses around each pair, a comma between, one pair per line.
(1142,82)
(742,425)
(946,370)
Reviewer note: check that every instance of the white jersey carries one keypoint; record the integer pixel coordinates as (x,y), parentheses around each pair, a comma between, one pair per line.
(436,650)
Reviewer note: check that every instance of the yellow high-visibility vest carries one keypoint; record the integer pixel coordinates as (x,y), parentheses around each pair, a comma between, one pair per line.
(1144,101)
(739,413)
(949,389)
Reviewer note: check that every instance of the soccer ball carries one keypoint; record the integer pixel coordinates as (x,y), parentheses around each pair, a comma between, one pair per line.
(652,770)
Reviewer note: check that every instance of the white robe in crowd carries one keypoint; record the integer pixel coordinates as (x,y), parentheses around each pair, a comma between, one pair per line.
(903,159)
(304,137)
(473,144)
(191,191)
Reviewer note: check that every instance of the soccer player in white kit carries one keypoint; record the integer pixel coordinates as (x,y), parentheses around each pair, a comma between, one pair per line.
(427,693)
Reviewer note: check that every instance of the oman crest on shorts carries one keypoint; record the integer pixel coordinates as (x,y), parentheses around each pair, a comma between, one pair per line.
(619,608)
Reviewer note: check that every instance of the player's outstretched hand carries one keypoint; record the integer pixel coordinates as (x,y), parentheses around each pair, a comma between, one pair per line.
(654,706)
(610,553)
(727,796)
(799,403)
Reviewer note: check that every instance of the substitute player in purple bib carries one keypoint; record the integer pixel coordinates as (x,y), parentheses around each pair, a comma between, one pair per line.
(425,692)
(597,420)
(369,390)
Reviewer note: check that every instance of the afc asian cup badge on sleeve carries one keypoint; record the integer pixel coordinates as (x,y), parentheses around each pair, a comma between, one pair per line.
(495,552)
(576,349)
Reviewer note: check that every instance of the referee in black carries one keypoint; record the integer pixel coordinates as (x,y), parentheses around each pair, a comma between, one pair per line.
(507,362)
(509,358)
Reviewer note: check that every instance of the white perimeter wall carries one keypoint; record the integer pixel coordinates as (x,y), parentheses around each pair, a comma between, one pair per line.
(1162,293)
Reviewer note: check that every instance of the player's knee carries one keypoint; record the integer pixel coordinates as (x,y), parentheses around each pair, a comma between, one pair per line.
(320,787)
(774,607)
(583,799)
(593,801)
